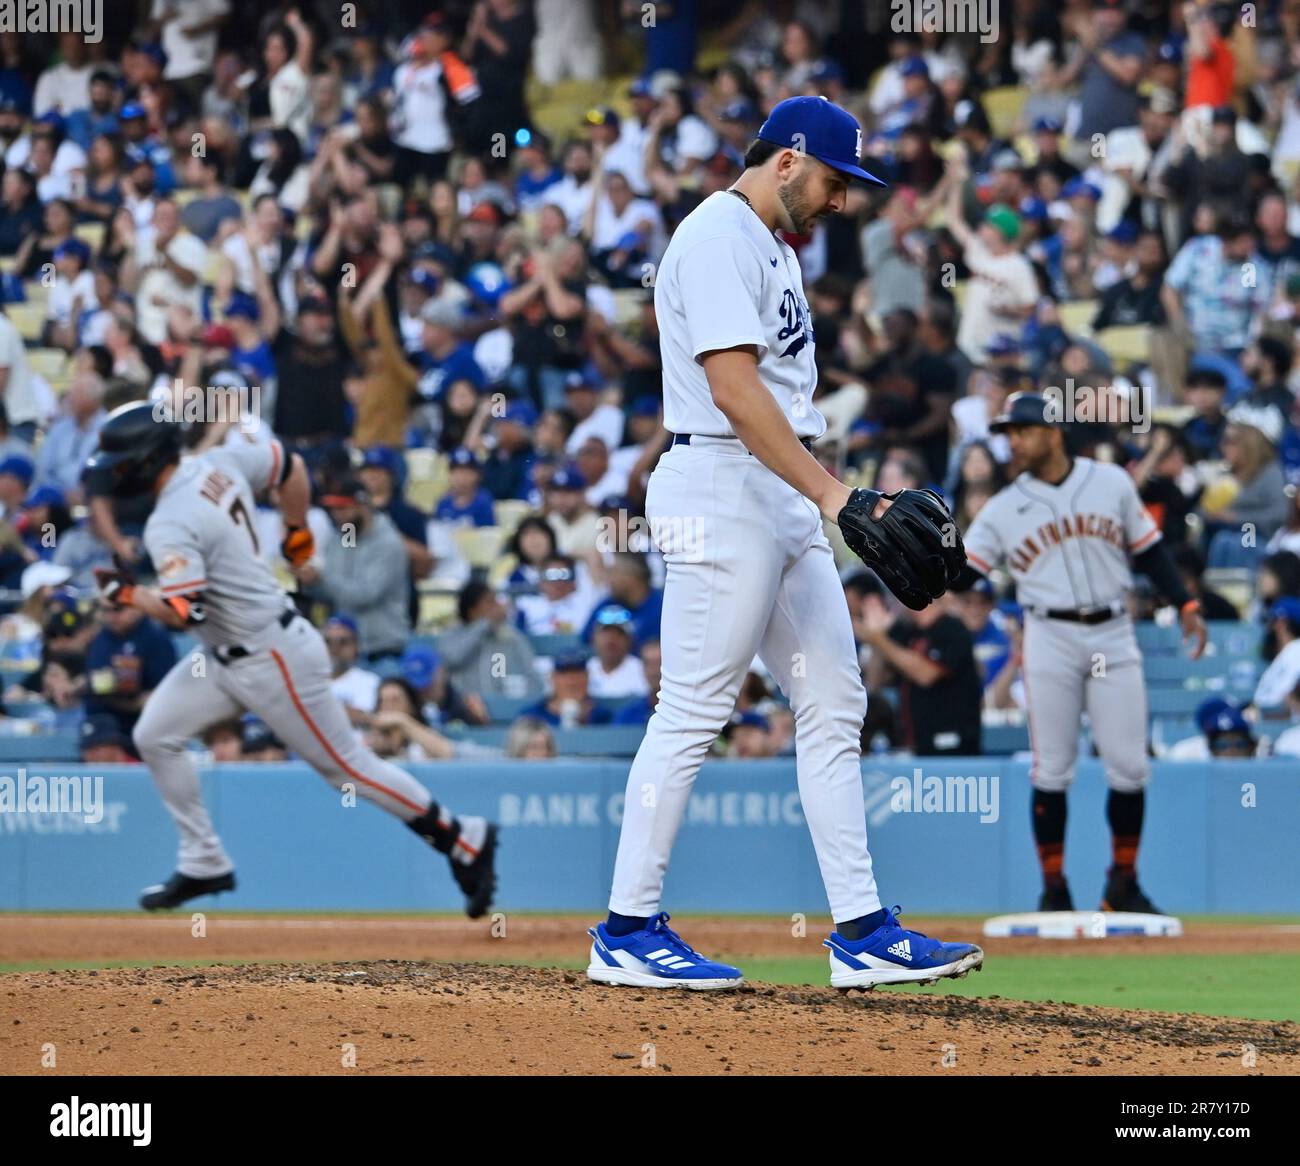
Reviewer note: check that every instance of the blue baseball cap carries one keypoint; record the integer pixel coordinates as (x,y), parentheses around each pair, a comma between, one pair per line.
(914,67)
(1287,608)
(346,622)
(45,496)
(738,110)
(1077,186)
(641,87)
(423,278)
(75,248)
(420,665)
(130,111)
(384,458)
(488,282)
(1034,209)
(1170,52)
(1047,125)
(646,406)
(821,129)
(243,306)
(20,467)
(460,456)
(520,413)
(568,478)
(1125,231)
(616,616)
(572,660)
(1003,345)
(751,718)
(825,70)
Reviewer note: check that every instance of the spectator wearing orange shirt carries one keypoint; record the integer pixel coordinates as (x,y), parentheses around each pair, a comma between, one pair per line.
(1211,67)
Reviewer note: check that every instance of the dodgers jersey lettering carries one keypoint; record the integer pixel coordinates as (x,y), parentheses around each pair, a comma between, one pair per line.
(202,537)
(727,281)
(1066,546)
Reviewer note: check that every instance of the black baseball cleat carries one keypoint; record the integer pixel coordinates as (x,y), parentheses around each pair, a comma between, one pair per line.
(181,887)
(1056,899)
(478,879)
(1123,894)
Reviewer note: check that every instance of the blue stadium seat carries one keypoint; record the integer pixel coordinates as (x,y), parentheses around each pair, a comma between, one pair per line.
(41,749)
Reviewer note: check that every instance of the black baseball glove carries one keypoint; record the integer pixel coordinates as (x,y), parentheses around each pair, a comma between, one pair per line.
(915,547)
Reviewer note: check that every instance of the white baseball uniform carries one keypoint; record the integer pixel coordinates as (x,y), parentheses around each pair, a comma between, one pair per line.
(202,538)
(748,567)
(1067,547)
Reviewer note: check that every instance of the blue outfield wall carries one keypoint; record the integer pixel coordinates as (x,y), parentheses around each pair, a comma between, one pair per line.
(1220,837)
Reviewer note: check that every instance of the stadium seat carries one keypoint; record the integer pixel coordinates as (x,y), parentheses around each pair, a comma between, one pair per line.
(51,363)
(427,474)
(504,709)
(437,609)
(1004,106)
(92,234)
(479,545)
(510,512)
(1003,740)
(1077,316)
(1126,345)
(554,645)
(28,318)
(1163,702)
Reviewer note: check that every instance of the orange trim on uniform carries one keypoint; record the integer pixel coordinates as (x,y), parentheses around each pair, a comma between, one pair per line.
(980,564)
(180,605)
(1145,541)
(343,765)
(192,585)
(277,457)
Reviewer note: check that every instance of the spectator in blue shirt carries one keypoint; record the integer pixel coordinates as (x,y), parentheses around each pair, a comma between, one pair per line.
(74,436)
(505,474)
(570,702)
(141,147)
(537,171)
(629,586)
(125,662)
(445,356)
(992,644)
(466,502)
(98,118)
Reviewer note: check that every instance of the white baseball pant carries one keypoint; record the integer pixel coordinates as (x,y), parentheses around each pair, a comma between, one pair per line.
(286,682)
(1073,666)
(749,571)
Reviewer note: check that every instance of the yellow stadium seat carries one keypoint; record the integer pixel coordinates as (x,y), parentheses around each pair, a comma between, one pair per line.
(510,512)
(1003,107)
(1129,344)
(427,475)
(479,545)
(959,293)
(92,234)
(28,319)
(500,571)
(436,611)
(183,198)
(47,362)
(8,265)
(1077,316)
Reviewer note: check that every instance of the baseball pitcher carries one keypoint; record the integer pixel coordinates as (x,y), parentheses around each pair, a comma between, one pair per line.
(261,655)
(736,505)
(1065,529)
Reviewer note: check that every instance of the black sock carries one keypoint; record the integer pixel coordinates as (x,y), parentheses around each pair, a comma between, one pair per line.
(1124,812)
(863,925)
(619,925)
(437,827)
(1047,812)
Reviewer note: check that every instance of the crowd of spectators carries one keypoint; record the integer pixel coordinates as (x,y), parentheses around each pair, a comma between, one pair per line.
(397,243)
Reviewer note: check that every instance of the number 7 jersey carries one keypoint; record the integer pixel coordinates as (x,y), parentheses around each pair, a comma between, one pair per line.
(202,538)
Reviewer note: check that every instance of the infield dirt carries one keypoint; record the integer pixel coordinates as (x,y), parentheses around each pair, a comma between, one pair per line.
(377,1003)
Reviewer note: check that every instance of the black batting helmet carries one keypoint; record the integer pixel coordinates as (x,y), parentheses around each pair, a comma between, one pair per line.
(135,445)
(1024,409)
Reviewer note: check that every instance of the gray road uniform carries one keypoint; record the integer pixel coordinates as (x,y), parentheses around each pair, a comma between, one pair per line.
(1067,547)
(258,655)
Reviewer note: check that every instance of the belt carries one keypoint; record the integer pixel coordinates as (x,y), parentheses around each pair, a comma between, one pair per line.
(685,439)
(225,654)
(1087,615)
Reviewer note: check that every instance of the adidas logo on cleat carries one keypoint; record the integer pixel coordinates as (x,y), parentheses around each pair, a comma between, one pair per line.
(902,949)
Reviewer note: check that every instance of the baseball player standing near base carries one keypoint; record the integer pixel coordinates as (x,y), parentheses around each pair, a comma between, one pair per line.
(736,506)
(1065,529)
(262,656)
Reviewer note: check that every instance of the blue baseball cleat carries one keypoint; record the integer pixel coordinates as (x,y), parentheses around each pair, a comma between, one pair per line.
(655,958)
(893,955)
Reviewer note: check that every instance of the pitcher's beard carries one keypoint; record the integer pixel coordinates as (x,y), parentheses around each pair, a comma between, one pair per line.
(798,206)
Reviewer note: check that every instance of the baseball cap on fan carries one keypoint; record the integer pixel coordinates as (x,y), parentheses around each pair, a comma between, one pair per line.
(821,129)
